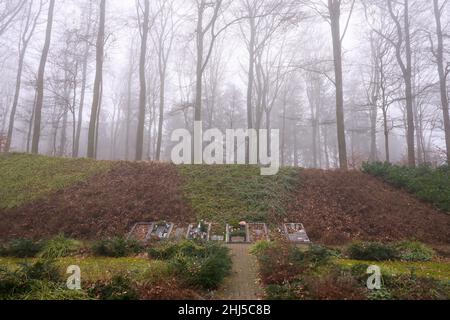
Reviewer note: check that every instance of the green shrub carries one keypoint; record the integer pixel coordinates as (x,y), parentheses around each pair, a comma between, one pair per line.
(428,184)
(200,265)
(117,247)
(285,291)
(120,287)
(372,251)
(319,255)
(41,270)
(27,280)
(411,287)
(21,248)
(59,247)
(46,290)
(381,294)
(169,250)
(414,251)
(259,247)
(12,283)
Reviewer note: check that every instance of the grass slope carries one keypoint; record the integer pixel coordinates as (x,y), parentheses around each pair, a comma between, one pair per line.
(100,268)
(230,193)
(428,184)
(439,270)
(24,178)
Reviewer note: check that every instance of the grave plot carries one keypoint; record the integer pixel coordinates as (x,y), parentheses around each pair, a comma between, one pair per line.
(217,232)
(161,230)
(178,232)
(200,231)
(237,234)
(295,232)
(141,231)
(257,232)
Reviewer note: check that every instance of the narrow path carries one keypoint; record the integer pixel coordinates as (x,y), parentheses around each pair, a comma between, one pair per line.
(242,284)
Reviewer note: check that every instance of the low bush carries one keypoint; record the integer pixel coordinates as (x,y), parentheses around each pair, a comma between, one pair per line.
(41,270)
(169,250)
(337,284)
(120,287)
(197,264)
(282,262)
(428,184)
(410,287)
(117,247)
(375,251)
(21,248)
(260,247)
(285,291)
(414,251)
(59,247)
(35,281)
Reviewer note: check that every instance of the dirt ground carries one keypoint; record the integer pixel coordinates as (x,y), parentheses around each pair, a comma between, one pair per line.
(105,205)
(336,207)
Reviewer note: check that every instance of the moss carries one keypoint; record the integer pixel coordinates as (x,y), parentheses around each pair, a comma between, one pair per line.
(430,269)
(95,268)
(231,193)
(24,177)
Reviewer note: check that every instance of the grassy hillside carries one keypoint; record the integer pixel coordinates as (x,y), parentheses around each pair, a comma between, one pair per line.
(24,177)
(428,184)
(231,193)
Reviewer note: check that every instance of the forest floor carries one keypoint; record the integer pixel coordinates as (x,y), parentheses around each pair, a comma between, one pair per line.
(335,207)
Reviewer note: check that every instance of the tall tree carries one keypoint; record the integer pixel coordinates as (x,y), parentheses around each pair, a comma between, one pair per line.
(93,123)
(142,81)
(163,38)
(403,43)
(334,9)
(443,73)
(28,27)
(87,46)
(40,80)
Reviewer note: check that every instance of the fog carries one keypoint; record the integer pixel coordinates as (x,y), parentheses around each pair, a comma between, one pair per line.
(344,82)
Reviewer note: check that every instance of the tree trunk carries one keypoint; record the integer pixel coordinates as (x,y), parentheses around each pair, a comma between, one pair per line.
(199,66)
(335,12)
(442,77)
(12,115)
(143,89)
(83,88)
(386,136)
(128,116)
(251,72)
(409,95)
(40,80)
(97,82)
(161,116)
(30,124)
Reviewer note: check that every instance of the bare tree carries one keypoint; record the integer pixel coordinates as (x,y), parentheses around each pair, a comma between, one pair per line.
(93,123)
(40,80)
(85,60)
(403,43)
(28,27)
(8,12)
(443,72)
(334,8)
(163,37)
(142,80)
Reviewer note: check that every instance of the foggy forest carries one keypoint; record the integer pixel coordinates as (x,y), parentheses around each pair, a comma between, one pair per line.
(344,81)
